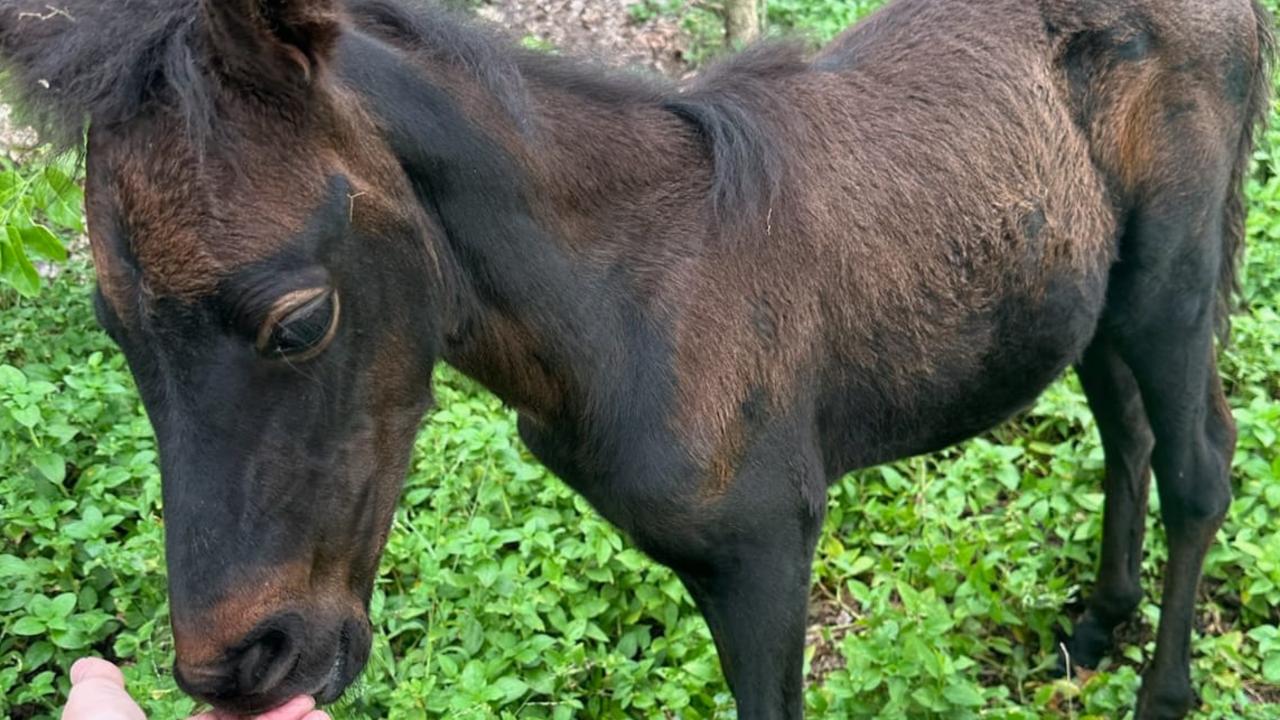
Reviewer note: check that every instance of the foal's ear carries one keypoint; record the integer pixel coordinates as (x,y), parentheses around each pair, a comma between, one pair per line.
(282,43)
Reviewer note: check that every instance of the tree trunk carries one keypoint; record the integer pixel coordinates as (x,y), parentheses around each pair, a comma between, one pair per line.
(741,21)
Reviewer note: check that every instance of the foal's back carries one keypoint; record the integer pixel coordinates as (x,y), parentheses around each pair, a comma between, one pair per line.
(958,178)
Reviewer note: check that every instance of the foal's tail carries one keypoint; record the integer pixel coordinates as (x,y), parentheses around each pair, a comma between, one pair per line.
(1256,113)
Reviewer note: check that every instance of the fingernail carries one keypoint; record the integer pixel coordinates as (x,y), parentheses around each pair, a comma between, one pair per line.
(91,667)
(78,669)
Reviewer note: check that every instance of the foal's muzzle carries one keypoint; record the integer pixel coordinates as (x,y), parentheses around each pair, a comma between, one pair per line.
(282,657)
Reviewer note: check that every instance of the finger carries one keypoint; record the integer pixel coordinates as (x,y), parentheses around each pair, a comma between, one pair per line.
(96,669)
(316,715)
(295,709)
(97,693)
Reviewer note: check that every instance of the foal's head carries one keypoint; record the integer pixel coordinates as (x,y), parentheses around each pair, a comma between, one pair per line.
(264,266)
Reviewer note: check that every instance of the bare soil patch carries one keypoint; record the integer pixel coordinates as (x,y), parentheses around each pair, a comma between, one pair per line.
(601,30)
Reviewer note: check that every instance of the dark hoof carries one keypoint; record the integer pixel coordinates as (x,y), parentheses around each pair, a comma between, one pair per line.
(1086,647)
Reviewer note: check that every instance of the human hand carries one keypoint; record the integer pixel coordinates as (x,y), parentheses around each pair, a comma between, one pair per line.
(97,693)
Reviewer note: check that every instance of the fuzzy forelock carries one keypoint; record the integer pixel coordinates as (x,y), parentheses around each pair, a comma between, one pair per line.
(65,61)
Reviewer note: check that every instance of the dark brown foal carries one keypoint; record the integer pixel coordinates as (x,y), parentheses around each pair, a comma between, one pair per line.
(707,302)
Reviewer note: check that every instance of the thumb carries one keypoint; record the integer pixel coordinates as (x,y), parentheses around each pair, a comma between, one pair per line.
(96,669)
(97,693)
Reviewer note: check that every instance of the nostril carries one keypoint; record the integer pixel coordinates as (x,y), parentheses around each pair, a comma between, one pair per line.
(265,662)
(255,674)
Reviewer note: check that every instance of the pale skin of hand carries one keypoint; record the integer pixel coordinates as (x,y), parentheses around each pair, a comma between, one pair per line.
(97,693)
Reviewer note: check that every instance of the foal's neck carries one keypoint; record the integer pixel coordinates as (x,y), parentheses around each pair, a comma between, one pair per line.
(560,226)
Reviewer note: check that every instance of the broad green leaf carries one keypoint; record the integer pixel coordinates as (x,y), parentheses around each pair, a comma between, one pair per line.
(66,215)
(1271,669)
(963,695)
(41,241)
(510,688)
(12,378)
(37,655)
(27,417)
(18,270)
(51,465)
(11,566)
(28,626)
(66,189)
(71,639)
(63,605)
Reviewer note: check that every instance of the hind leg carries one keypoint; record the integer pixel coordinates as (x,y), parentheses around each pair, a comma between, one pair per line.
(1195,439)
(1162,314)
(1127,441)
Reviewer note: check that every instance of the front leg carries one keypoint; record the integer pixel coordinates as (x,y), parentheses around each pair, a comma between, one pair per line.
(743,548)
(754,597)
(749,574)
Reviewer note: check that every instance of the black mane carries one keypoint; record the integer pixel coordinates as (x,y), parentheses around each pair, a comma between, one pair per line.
(75,61)
(724,104)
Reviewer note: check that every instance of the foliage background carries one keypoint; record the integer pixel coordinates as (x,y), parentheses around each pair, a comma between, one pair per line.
(940,581)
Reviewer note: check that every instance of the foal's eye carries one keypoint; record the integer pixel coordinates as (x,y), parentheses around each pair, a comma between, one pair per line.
(302,326)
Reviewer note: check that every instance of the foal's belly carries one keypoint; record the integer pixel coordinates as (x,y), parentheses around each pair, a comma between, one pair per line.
(962,380)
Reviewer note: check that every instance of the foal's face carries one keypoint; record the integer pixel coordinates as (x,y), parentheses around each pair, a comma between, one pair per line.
(275,300)
(275,321)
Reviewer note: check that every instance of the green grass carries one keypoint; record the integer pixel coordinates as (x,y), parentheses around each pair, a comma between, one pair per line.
(502,595)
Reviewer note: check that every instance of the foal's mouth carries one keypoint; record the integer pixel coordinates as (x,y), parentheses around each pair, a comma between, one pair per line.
(336,682)
(350,657)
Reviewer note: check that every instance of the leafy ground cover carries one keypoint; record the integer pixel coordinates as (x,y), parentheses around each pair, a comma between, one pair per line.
(940,581)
